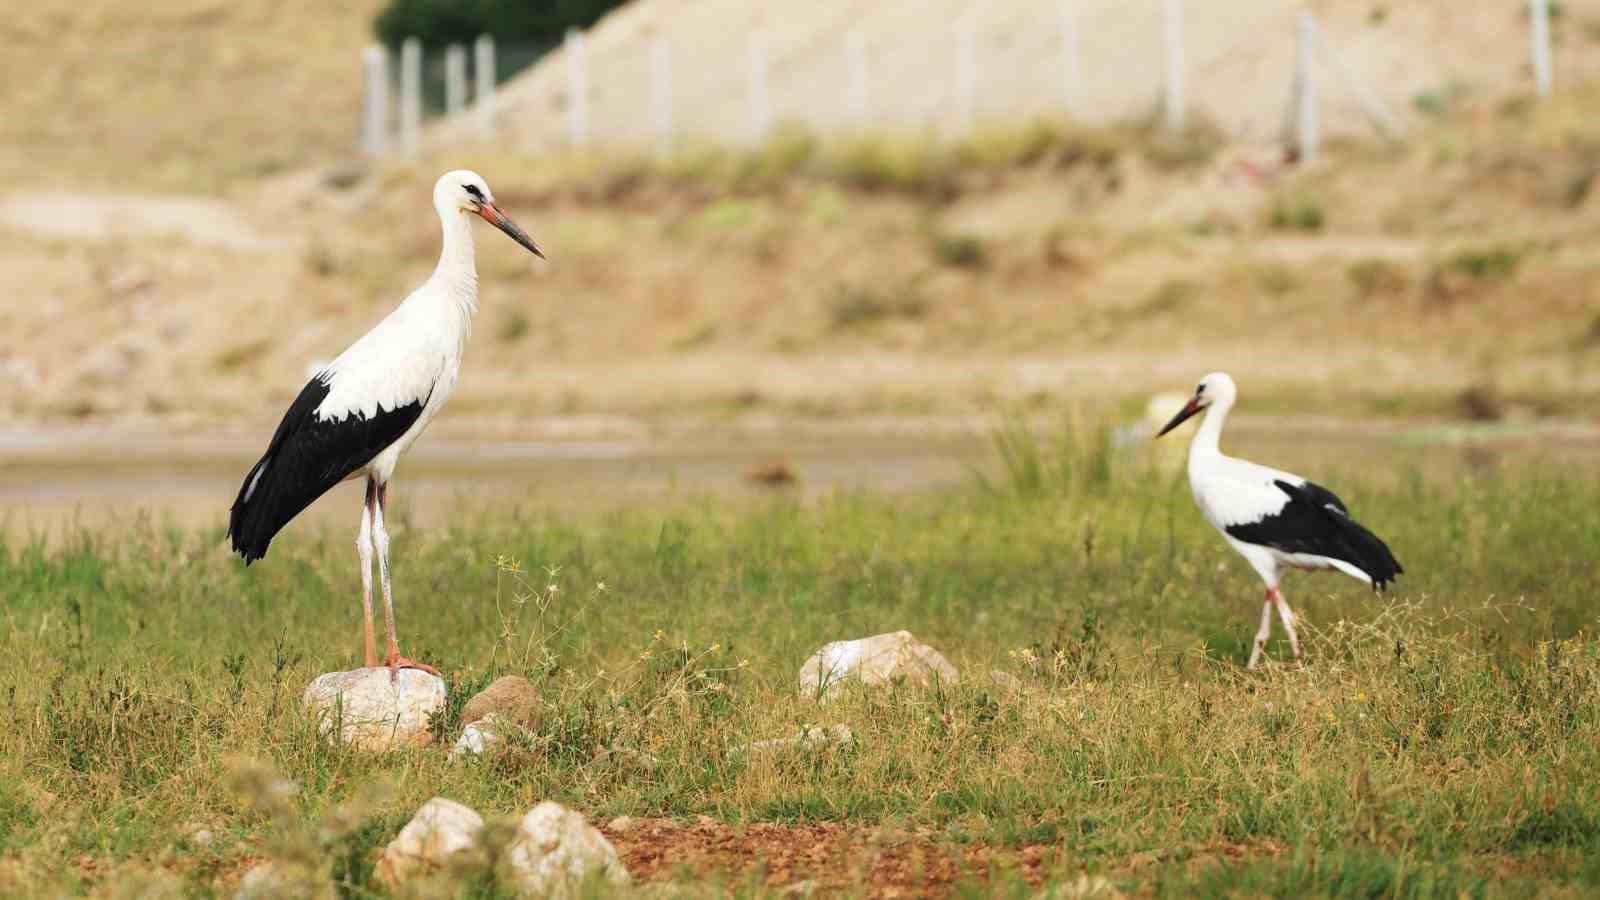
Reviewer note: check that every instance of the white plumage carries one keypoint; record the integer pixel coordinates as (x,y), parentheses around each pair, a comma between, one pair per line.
(1274,519)
(358,414)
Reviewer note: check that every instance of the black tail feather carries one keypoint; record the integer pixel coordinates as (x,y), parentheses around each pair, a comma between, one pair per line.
(1369,553)
(250,525)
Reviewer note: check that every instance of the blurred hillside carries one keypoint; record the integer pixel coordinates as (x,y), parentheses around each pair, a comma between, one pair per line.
(177,95)
(1239,58)
(1038,262)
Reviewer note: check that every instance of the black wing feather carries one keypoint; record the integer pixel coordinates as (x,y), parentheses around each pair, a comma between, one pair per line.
(306,457)
(1315,521)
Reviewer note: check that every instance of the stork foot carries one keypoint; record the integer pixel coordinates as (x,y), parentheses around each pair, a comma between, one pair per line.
(396,662)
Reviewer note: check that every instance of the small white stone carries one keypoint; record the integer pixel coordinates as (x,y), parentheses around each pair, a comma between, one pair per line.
(278,880)
(621,824)
(810,737)
(555,851)
(1005,681)
(876,660)
(479,736)
(440,830)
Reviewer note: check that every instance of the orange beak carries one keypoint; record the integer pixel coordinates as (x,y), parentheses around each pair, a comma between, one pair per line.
(1189,409)
(492,214)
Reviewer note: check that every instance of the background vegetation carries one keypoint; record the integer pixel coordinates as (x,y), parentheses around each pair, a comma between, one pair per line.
(441,22)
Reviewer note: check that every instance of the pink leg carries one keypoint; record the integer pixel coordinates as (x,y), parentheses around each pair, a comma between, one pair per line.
(1263,633)
(1284,613)
(380,536)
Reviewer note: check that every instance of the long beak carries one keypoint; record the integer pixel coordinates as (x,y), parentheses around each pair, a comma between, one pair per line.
(500,220)
(1189,409)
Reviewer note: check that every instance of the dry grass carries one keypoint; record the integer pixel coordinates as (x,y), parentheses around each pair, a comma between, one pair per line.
(1437,744)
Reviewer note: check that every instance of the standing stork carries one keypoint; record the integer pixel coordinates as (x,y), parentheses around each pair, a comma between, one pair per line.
(359,413)
(1274,519)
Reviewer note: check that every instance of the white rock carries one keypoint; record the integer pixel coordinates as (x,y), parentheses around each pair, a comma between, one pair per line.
(810,737)
(440,830)
(555,851)
(621,824)
(880,659)
(1082,888)
(479,736)
(374,711)
(1005,681)
(278,880)
(628,759)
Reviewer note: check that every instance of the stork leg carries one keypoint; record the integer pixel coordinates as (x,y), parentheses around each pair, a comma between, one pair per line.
(393,660)
(1284,613)
(1263,633)
(364,548)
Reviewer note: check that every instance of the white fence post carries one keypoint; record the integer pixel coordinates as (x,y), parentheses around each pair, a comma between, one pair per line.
(375,113)
(1370,103)
(483,73)
(410,96)
(856,50)
(1308,132)
(1539,35)
(455,78)
(1173,107)
(760,105)
(1070,74)
(661,81)
(577,88)
(966,72)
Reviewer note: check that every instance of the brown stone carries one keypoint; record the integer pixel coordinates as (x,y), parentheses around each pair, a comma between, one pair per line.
(513,698)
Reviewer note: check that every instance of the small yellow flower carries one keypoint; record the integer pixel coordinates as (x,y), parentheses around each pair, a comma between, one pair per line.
(1361,696)
(715,647)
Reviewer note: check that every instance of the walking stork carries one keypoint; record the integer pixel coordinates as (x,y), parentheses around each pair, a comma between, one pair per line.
(1274,519)
(359,413)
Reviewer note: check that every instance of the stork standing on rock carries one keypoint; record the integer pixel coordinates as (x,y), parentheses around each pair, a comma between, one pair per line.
(1274,519)
(359,413)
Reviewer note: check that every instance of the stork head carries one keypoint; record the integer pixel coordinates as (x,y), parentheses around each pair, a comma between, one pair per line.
(1216,389)
(465,191)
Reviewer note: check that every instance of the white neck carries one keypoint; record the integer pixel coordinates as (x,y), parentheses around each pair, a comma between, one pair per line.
(456,258)
(1207,441)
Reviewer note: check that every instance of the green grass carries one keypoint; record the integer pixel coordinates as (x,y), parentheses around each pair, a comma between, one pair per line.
(1442,743)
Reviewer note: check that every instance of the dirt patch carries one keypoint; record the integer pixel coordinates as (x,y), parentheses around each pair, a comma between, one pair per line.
(826,858)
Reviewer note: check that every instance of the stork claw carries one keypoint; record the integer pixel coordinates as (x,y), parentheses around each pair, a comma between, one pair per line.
(396,662)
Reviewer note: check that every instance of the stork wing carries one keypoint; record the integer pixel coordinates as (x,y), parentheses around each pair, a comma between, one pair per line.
(307,456)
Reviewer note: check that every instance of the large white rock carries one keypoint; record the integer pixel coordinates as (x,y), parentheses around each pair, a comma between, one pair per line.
(440,830)
(555,851)
(374,711)
(880,659)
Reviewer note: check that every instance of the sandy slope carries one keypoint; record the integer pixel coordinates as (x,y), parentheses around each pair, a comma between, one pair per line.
(1239,57)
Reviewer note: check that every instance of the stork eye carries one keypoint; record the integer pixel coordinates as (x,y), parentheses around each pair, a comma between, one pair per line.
(1201,389)
(473,190)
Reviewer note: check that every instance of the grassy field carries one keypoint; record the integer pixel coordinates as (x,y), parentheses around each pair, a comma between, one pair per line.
(1440,743)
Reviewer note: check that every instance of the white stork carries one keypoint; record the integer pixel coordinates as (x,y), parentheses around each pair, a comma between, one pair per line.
(1274,519)
(359,413)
